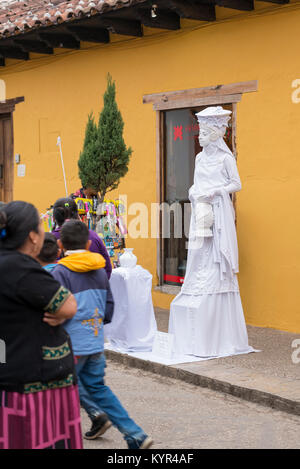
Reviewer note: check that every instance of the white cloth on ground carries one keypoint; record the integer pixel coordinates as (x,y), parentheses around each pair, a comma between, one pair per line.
(133,325)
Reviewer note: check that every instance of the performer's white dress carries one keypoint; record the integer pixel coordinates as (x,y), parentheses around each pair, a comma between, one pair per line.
(207,317)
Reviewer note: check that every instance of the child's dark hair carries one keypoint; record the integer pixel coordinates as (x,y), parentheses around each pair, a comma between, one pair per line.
(49,251)
(74,235)
(64,209)
(17,220)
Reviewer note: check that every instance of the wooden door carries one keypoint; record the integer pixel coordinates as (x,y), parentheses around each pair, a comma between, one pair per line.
(6,158)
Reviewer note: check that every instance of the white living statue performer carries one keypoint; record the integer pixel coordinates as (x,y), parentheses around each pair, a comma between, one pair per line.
(207,317)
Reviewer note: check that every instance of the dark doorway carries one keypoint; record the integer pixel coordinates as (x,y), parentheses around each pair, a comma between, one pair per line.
(7,149)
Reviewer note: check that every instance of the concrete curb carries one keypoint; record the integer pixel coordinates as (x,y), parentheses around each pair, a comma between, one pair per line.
(257,396)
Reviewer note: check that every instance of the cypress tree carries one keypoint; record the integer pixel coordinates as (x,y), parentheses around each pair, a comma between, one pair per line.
(87,163)
(105,157)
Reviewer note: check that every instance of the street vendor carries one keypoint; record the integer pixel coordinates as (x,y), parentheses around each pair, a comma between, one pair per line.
(66,209)
(85,193)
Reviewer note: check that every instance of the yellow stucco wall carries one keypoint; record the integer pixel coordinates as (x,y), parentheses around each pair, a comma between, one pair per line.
(61,91)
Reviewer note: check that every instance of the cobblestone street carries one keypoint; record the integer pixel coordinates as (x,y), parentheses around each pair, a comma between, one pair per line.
(181,416)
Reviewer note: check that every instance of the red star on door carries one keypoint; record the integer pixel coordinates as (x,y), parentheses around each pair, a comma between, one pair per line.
(178,132)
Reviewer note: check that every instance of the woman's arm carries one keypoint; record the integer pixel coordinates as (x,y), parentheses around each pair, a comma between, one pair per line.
(45,295)
(66,311)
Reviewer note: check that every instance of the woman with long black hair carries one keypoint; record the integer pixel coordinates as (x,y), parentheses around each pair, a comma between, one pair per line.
(39,405)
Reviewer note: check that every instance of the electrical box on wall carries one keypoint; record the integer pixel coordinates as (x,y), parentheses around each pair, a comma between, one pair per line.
(17,158)
(21,170)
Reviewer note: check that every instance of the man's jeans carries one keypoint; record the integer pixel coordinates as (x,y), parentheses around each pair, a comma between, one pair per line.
(96,397)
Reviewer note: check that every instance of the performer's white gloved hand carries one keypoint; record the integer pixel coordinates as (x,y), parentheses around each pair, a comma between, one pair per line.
(210,194)
(218,192)
(213,193)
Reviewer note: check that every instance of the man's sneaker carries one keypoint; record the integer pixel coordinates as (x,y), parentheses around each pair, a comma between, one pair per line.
(99,426)
(146,443)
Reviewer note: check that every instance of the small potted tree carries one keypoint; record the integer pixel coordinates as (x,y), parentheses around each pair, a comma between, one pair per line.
(105,158)
(103,161)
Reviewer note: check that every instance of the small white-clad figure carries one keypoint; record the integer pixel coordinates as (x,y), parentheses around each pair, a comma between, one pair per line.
(207,317)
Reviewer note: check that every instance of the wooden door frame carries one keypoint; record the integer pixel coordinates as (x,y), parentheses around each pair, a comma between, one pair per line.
(205,96)
(6,112)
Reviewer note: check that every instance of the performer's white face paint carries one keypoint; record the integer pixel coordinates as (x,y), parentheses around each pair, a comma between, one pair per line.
(204,137)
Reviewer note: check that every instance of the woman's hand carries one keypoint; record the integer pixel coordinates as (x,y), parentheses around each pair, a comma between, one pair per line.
(52,320)
(68,309)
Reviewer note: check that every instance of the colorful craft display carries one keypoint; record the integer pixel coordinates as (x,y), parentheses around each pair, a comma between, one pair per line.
(107,220)
(87,211)
(48,220)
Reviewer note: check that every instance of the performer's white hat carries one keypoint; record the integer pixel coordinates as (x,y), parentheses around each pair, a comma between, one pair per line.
(215,119)
(214,116)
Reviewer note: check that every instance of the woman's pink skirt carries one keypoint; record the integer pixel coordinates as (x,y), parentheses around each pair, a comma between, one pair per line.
(42,420)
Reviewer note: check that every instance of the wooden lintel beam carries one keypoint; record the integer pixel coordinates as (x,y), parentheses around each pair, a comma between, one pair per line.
(195,102)
(99,35)
(8,106)
(220,90)
(13,53)
(192,9)
(121,26)
(34,46)
(243,5)
(279,2)
(19,99)
(164,19)
(58,40)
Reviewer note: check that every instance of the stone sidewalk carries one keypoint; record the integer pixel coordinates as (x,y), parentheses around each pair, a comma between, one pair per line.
(268,378)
